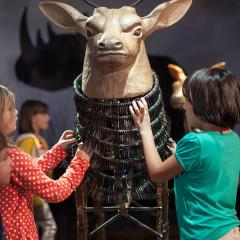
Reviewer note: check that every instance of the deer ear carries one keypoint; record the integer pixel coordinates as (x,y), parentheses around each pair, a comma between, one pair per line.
(64,15)
(165,15)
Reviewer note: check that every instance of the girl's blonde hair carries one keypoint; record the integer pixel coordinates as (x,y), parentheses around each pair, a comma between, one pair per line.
(7,102)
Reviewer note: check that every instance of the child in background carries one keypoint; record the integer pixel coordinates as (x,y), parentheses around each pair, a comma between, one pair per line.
(205,163)
(33,118)
(29,176)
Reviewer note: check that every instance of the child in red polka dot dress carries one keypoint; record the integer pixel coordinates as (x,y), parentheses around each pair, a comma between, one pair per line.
(29,176)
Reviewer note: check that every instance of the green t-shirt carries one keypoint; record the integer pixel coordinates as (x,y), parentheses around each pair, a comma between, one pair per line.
(206,191)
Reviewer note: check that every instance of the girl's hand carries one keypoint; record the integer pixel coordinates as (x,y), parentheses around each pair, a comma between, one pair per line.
(85,151)
(140,115)
(174,145)
(66,139)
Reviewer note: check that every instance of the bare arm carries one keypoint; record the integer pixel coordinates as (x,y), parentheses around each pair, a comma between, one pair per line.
(158,170)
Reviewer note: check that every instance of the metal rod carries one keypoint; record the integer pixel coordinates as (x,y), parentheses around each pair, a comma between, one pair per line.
(159,214)
(104,209)
(134,209)
(165,223)
(82,220)
(135,3)
(143,225)
(105,224)
(90,3)
(95,6)
(144,209)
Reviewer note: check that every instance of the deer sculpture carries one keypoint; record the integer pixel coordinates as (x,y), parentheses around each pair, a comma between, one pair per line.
(116,71)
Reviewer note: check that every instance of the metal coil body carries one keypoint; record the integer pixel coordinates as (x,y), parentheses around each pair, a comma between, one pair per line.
(117,171)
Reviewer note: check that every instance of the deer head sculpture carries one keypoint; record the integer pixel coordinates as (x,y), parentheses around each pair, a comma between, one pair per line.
(116,64)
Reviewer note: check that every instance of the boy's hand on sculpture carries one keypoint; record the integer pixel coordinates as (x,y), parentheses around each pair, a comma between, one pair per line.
(140,115)
(66,139)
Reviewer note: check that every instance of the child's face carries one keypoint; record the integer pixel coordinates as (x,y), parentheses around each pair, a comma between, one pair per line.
(40,121)
(5,167)
(192,120)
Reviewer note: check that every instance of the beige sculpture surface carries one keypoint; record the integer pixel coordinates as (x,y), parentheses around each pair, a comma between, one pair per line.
(116,64)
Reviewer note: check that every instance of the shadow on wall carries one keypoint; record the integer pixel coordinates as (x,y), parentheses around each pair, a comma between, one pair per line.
(52,65)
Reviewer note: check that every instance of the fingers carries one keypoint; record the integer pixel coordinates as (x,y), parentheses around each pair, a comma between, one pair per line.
(138,107)
(141,106)
(135,108)
(173,145)
(144,103)
(80,145)
(172,141)
(68,134)
(89,150)
(86,147)
(132,112)
(66,139)
(69,141)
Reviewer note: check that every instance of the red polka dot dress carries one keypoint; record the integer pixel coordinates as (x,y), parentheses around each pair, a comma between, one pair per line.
(29,177)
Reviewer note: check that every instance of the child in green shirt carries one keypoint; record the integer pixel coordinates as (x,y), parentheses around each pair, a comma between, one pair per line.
(206,163)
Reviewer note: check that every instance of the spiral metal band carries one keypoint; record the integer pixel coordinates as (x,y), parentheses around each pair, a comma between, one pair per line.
(117,170)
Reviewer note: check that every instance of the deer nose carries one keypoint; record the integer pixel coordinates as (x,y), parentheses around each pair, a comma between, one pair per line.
(111,44)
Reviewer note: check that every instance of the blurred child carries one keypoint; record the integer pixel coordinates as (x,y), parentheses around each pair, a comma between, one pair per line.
(29,176)
(205,163)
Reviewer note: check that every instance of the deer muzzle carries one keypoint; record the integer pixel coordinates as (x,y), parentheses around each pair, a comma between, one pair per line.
(110,45)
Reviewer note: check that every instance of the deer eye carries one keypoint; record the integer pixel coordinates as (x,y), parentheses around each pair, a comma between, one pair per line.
(137,32)
(89,33)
